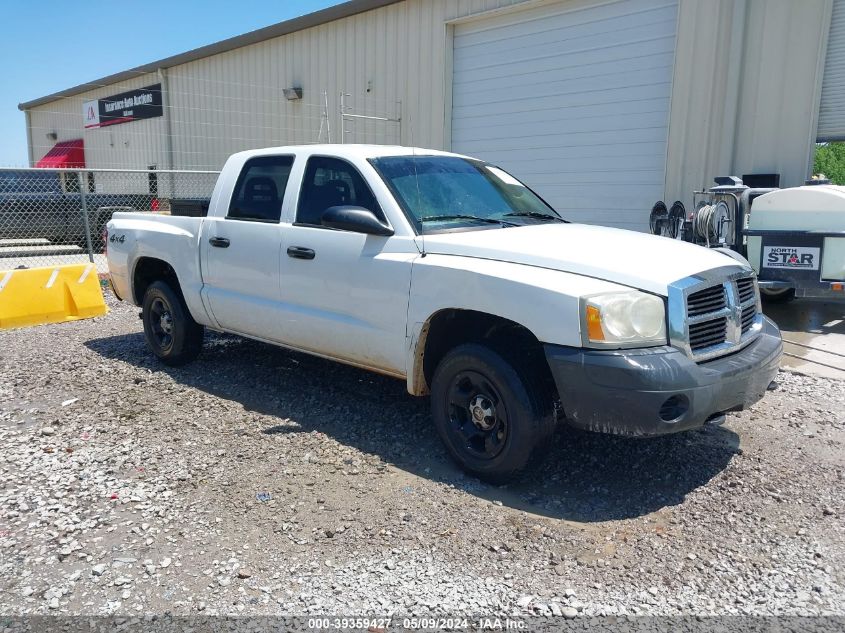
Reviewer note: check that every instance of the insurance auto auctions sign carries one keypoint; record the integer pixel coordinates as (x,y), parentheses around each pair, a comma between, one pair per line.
(132,105)
(791,257)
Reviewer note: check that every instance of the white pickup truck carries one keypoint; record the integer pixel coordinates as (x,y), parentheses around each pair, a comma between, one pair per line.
(448,273)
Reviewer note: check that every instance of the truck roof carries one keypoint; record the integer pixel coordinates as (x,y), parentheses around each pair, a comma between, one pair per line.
(347,150)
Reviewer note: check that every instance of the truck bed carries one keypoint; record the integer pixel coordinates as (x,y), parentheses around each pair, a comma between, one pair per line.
(173,239)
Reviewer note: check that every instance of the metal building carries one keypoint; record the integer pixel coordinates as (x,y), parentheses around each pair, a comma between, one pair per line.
(602,106)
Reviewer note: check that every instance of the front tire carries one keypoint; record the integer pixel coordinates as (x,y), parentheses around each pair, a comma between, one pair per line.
(171,333)
(493,415)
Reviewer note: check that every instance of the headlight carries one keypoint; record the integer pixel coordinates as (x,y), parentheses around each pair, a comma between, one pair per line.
(624,319)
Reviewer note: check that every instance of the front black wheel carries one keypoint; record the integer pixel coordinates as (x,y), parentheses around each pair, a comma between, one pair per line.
(777,295)
(493,416)
(171,333)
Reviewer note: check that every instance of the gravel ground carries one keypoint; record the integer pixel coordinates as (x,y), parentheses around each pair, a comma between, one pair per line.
(259,481)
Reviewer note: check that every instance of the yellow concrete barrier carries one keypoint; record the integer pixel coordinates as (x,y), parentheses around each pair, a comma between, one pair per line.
(54,294)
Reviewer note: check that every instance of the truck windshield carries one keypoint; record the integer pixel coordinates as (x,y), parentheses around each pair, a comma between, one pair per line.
(441,192)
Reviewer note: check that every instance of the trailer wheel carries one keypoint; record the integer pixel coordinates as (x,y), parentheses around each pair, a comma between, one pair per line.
(777,295)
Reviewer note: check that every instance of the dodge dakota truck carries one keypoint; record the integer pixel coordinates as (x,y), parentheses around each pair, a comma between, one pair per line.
(450,274)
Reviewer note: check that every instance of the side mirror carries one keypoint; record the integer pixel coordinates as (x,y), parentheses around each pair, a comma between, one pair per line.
(357,219)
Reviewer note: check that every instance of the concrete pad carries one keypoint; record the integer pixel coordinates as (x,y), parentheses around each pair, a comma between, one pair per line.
(38,250)
(38,260)
(813,335)
(37,241)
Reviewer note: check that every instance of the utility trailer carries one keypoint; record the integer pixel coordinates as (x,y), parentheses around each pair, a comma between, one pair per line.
(794,238)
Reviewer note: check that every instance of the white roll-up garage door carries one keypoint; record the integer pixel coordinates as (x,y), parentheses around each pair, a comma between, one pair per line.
(573,99)
(832,108)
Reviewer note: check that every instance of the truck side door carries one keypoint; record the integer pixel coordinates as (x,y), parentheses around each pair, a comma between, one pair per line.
(346,294)
(240,252)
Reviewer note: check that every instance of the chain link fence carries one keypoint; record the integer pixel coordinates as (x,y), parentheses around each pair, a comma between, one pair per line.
(53,216)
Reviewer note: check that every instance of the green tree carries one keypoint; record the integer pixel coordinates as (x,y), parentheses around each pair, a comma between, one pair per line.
(830,161)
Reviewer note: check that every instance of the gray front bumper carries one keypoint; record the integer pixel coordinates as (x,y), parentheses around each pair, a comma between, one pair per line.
(659,390)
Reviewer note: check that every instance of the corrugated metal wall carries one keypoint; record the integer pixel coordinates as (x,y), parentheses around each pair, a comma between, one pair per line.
(134,145)
(745,91)
(391,62)
(782,68)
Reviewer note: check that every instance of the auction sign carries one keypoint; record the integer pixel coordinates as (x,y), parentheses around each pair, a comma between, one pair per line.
(132,105)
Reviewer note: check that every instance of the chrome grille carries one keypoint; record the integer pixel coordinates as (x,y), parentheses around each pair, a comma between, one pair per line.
(708,300)
(714,313)
(748,302)
(745,287)
(707,333)
(748,315)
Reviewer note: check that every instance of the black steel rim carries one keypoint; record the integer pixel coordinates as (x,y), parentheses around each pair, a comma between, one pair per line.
(478,417)
(161,323)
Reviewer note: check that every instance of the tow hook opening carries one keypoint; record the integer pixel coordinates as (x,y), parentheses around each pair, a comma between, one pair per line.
(674,408)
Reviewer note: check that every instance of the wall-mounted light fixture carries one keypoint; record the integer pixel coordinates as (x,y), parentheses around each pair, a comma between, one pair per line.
(292,94)
(52,135)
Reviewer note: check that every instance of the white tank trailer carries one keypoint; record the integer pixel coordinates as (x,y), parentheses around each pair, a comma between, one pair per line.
(794,238)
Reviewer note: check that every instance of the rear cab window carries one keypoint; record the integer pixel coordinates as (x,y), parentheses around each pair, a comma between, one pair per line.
(260,189)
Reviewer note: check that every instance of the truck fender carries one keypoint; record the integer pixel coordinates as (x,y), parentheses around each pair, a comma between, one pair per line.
(416,382)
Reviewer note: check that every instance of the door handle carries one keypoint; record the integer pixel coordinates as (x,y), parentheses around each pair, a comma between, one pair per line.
(219,242)
(300,252)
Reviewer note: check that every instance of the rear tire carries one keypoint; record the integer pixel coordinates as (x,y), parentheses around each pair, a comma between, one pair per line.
(782,295)
(494,416)
(171,333)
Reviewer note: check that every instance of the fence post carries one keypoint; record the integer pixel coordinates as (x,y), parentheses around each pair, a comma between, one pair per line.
(83,185)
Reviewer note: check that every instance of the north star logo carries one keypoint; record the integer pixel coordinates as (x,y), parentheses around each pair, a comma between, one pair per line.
(791,257)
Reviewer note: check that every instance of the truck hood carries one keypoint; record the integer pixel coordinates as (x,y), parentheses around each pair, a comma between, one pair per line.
(638,260)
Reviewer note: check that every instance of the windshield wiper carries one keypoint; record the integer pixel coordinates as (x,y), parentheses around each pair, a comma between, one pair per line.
(462,216)
(534,214)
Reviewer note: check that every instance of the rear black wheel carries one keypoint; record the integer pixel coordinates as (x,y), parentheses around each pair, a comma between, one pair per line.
(777,295)
(493,416)
(171,333)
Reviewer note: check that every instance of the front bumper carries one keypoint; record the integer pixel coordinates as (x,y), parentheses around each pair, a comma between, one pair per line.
(659,390)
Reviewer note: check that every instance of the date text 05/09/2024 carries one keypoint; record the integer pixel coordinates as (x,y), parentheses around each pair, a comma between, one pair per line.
(381,625)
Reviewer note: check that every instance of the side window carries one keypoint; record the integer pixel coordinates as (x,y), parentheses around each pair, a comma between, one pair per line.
(71,182)
(260,189)
(331,182)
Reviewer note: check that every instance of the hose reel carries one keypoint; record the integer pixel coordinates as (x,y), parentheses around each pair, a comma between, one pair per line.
(709,221)
(658,219)
(667,222)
